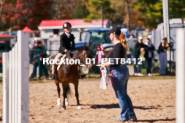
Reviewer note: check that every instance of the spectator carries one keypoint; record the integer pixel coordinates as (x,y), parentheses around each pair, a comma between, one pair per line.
(139,47)
(149,55)
(163,47)
(53,41)
(43,55)
(34,59)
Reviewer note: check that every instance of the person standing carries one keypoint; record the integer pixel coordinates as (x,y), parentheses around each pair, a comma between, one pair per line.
(67,44)
(43,55)
(163,47)
(35,58)
(120,75)
(138,48)
(53,43)
(149,55)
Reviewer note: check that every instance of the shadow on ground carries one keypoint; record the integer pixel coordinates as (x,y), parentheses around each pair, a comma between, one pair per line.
(105,106)
(155,120)
(117,106)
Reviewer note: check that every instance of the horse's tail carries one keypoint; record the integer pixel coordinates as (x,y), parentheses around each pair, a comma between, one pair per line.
(68,90)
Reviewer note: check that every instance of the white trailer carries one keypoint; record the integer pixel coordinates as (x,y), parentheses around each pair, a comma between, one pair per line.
(158,35)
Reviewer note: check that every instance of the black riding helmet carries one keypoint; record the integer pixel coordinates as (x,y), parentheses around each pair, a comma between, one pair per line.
(66,24)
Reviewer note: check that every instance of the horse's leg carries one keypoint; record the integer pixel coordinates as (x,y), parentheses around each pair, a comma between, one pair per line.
(66,102)
(77,95)
(64,96)
(58,90)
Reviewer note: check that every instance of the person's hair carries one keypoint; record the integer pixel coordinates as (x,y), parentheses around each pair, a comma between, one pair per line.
(56,31)
(165,44)
(148,39)
(123,40)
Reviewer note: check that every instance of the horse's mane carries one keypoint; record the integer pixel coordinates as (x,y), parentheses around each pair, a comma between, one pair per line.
(78,52)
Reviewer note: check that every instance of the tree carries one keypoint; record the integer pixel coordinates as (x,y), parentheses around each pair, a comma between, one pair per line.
(124,13)
(41,10)
(80,10)
(151,11)
(63,9)
(94,7)
(128,15)
(27,13)
(1,11)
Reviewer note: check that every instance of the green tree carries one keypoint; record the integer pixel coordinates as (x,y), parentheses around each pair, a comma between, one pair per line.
(94,7)
(124,13)
(63,9)
(151,11)
(80,10)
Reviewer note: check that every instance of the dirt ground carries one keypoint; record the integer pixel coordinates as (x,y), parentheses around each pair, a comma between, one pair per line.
(153,100)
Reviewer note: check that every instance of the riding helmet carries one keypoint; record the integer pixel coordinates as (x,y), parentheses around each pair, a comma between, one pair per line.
(66,24)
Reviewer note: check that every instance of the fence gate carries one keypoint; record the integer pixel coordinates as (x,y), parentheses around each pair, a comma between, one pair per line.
(16,81)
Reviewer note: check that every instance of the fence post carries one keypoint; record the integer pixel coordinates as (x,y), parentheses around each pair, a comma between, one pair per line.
(5,87)
(180,76)
(16,81)
(23,66)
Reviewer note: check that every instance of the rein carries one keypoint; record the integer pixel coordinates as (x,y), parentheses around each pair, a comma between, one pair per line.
(83,58)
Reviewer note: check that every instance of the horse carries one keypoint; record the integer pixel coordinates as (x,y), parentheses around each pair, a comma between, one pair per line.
(70,74)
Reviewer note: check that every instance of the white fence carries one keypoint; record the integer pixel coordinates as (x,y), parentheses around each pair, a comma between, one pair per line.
(180,77)
(16,81)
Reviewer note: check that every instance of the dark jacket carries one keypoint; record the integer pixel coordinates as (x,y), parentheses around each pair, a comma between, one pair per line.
(161,48)
(66,43)
(43,52)
(151,49)
(34,56)
(137,49)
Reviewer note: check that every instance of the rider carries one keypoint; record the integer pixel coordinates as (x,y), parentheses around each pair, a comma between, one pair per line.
(67,44)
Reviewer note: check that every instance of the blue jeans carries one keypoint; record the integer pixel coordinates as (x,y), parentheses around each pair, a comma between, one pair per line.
(120,75)
(138,68)
(163,63)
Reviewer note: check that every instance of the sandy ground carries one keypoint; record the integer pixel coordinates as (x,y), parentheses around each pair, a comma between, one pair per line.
(153,100)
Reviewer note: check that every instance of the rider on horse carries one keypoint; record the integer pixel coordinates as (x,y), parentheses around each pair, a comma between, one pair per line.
(67,44)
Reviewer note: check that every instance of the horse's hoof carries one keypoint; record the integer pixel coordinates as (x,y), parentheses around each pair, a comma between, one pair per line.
(79,107)
(63,108)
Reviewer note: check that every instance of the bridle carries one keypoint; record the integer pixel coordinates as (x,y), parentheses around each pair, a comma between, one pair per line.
(83,59)
(83,56)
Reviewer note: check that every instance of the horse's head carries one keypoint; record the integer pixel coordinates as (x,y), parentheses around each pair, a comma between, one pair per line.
(85,56)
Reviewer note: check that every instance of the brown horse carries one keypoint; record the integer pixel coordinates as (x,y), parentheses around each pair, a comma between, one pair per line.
(70,74)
